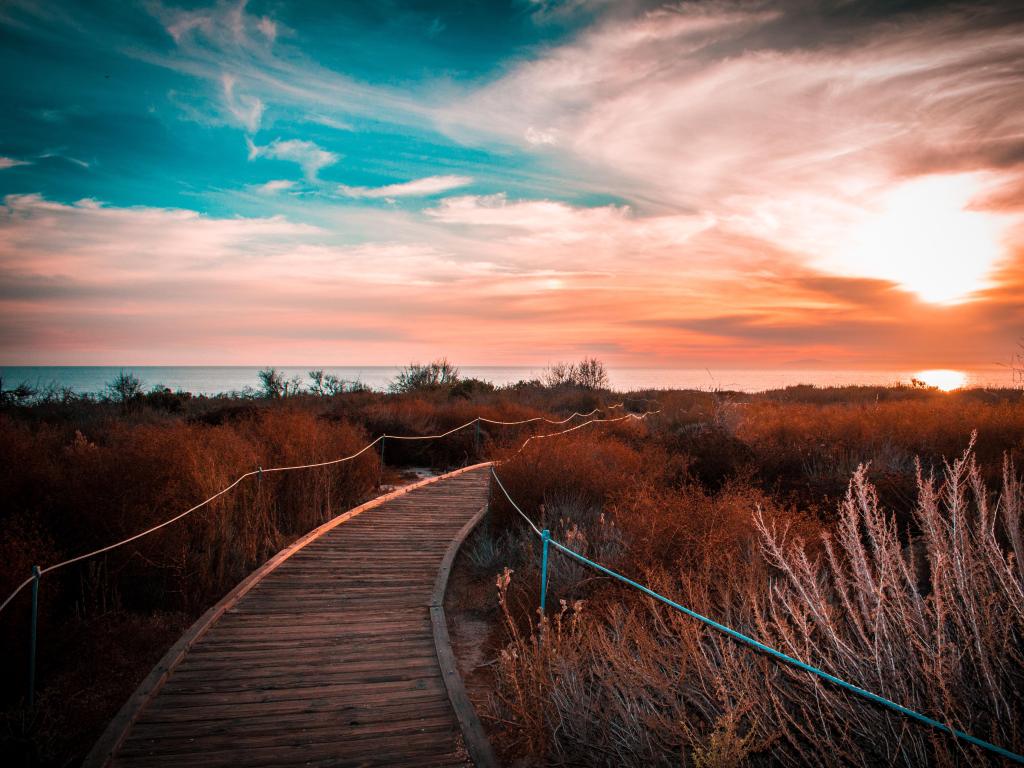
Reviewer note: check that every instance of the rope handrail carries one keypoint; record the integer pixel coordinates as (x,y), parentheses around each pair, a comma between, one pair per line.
(547,420)
(360,452)
(584,424)
(514,505)
(268,470)
(758,645)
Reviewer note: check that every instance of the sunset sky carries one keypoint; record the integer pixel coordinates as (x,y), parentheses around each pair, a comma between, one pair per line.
(731,184)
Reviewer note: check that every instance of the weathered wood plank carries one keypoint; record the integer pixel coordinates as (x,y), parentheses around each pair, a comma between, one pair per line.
(325,656)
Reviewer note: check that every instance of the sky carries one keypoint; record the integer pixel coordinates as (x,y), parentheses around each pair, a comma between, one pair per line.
(729,184)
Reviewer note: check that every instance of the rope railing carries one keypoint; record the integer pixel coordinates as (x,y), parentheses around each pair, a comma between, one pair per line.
(584,424)
(546,420)
(547,541)
(38,573)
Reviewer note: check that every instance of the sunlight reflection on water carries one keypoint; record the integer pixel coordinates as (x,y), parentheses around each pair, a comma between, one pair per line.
(945,379)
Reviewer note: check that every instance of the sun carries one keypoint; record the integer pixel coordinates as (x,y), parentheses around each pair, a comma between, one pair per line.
(942,378)
(924,236)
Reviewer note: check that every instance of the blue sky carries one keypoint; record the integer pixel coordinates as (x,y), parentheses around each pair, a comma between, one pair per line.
(114,111)
(659,184)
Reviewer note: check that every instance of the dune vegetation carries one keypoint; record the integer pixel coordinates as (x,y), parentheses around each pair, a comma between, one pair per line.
(860,529)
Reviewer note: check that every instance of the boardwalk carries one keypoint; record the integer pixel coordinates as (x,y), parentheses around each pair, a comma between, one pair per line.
(327,659)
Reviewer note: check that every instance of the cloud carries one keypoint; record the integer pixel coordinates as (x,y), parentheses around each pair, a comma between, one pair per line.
(598,234)
(227,41)
(92,242)
(224,21)
(330,122)
(790,127)
(478,277)
(431,185)
(248,110)
(306,153)
(10,162)
(277,185)
(109,243)
(716,184)
(531,215)
(88,281)
(268,27)
(537,137)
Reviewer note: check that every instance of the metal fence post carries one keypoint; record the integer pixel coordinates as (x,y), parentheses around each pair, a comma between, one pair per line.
(545,537)
(36,573)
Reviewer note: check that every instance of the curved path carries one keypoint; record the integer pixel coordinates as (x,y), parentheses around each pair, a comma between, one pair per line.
(325,656)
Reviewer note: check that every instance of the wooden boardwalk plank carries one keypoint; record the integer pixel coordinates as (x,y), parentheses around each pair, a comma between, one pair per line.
(326,659)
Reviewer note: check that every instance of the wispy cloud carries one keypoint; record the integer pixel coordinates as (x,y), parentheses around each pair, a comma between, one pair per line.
(714,108)
(268,27)
(306,153)
(226,40)
(276,185)
(10,162)
(330,122)
(538,137)
(248,110)
(59,154)
(431,185)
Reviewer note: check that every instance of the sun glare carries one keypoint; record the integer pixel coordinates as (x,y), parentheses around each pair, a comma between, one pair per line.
(925,238)
(942,378)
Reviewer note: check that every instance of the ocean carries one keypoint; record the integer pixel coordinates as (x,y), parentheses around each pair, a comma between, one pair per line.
(211,380)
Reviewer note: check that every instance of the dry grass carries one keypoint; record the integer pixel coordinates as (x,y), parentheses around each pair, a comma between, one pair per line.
(936,624)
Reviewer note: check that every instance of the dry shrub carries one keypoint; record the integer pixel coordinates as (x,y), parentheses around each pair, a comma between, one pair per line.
(714,454)
(94,666)
(135,476)
(93,490)
(587,467)
(614,684)
(826,443)
(694,526)
(529,664)
(418,415)
(937,626)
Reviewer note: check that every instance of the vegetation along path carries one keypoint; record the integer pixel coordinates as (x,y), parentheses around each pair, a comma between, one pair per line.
(333,653)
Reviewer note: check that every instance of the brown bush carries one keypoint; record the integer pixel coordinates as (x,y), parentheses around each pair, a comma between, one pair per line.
(587,466)
(826,443)
(693,526)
